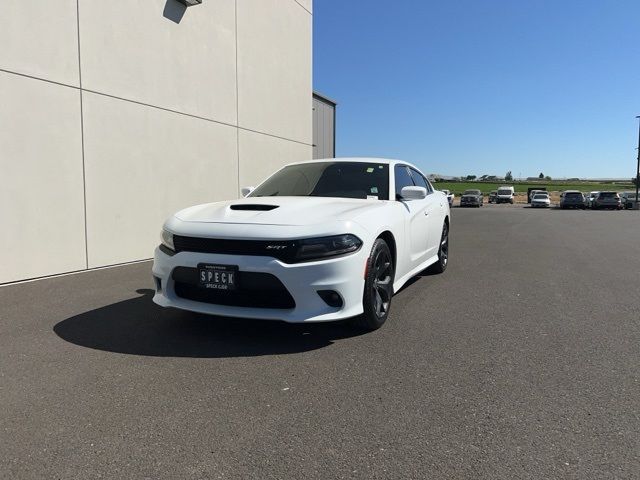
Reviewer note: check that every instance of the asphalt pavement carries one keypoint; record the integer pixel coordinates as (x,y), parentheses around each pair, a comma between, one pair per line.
(522,360)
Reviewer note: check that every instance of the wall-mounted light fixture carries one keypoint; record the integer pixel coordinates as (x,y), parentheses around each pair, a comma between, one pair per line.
(190,3)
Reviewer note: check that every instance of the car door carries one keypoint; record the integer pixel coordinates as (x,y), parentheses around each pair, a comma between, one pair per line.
(434,213)
(416,221)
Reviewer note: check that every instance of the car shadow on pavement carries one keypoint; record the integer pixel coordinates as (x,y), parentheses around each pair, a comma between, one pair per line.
(427,272)
(139,327)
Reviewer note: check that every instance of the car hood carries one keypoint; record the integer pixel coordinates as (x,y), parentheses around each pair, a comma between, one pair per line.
(292,211)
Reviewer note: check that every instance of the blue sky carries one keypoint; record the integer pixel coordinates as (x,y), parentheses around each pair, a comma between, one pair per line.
(484,86)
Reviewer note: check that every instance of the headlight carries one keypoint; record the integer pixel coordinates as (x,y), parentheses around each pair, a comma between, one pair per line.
(325,247)
(167,239)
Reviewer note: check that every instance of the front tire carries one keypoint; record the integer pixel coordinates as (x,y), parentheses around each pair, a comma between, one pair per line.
(378,287)
(443,252)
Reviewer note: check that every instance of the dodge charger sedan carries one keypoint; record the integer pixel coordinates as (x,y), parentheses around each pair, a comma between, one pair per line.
(317,241)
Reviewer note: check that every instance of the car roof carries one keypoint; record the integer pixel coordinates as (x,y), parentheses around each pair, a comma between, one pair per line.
(388,161)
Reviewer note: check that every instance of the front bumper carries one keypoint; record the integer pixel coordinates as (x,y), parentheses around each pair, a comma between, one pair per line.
(344,275)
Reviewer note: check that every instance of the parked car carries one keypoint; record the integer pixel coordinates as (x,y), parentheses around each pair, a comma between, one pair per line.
(532,191)
(628,199)
(505,194)
(471,198)
(450,196)
(317,241)
(591,199)
(609,200)
(540,200)
(493,195)
(572,199)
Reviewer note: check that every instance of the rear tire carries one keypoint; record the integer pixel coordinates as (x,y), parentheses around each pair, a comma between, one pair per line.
(443,252)
(378,287)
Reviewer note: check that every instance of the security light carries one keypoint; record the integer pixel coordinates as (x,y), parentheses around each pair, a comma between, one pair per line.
(190,3)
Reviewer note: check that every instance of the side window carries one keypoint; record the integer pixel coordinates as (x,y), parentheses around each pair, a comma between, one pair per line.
(420,181)
(403,179)
(430,187)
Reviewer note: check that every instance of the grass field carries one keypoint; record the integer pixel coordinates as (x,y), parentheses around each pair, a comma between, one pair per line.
(486,187)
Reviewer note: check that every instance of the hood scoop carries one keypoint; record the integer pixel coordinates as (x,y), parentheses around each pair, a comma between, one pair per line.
(253,208)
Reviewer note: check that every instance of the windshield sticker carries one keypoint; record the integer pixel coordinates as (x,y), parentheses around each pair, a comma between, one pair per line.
(370,169)
(374,189)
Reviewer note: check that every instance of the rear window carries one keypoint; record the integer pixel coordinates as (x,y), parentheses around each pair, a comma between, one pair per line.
(573,195)
(608,194)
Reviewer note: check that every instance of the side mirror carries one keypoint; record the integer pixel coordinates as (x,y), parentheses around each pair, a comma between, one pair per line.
(413,193)
(246,190)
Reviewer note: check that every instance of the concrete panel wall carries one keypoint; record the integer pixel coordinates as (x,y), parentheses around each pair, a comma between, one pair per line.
(157,108)
(261,155)
(41,191)
(142,165)
(274,68)
(40,38)
(136,50)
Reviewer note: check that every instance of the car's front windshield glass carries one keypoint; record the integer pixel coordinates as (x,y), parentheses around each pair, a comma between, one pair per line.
(328,179)
(608,194)
(573,195)
(540,196)
(471,192)
(504,192)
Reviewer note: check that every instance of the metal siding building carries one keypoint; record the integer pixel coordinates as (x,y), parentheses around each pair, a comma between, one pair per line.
(324,127)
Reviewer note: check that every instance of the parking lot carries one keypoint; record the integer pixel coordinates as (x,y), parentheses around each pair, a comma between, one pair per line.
(521,361)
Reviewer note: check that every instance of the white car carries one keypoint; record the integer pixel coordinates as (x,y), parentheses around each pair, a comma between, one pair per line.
(505,194)
(450,196)
(540,200)
(317,241)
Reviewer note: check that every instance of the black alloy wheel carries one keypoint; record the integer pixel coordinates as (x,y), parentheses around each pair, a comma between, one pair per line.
(378,287)
(443,252)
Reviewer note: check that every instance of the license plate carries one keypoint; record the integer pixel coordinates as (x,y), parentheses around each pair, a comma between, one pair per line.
(218,277)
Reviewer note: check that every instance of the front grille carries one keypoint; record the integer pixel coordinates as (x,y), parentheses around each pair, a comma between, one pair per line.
(280,249)
(256,290)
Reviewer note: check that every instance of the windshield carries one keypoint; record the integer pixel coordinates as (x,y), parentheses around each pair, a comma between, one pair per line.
(573,195)
(540,196)
(328,179)
(608,195)
(471,192)
(504,191)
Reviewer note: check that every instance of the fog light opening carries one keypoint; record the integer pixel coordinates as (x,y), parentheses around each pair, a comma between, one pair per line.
(331,298)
